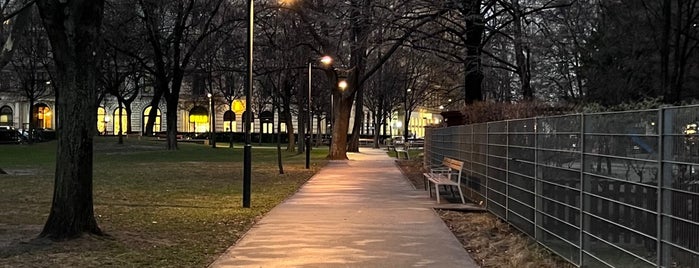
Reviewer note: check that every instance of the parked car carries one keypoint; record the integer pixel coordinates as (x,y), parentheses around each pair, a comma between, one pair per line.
(8,135)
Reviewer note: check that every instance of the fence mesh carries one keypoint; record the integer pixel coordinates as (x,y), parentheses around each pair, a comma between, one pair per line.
(601,190)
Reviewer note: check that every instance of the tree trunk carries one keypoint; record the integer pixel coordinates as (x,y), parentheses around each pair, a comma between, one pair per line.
(73,29)
(172,98)
(121,117)
(171,124)
(520,57)
(665,52)
(301,129)
(32,121)
(286,103)
(353,145)
(343,106)
(148,131)
(406,126)
(475,27)
(377,126)
(129,112)
(213,122)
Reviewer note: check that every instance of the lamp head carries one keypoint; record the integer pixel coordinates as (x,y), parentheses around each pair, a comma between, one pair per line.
(326,60)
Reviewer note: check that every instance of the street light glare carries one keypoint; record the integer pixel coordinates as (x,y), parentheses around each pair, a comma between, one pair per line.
(342,84)
(327,60)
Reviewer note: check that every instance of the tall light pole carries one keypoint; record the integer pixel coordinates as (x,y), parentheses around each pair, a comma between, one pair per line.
(247,149)
(327,63)
(309,131)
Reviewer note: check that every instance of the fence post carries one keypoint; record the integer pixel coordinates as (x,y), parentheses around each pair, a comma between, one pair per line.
(537,191)
(665,149)
(582,191)
(507,170)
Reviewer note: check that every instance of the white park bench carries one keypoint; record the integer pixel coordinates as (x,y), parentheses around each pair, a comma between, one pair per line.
(447,174)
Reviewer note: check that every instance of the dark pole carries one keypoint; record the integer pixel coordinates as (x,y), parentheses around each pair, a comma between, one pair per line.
(247,151)
(310,120)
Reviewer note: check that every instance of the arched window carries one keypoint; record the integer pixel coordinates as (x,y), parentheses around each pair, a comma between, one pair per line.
(146,114)
(229,124)
(120,122)
(101,120)
(42,115)
(6,116)
(199,116)
(267,122)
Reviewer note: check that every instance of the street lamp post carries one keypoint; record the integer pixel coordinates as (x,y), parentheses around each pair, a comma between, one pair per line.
(247,149)
(309,131)
(327,62)
(212,124)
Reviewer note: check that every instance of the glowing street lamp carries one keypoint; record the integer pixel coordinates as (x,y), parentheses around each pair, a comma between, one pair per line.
(326,60)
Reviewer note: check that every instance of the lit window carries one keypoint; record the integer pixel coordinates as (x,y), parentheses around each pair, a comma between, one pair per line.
(156,124)
(120,122)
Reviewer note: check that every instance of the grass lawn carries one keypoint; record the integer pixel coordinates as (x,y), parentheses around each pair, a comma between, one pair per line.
(159,208)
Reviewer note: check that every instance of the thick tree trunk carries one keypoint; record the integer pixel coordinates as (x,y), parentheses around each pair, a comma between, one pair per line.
(171,124)
(475,27)
(520,57)
(129,112)
(154,104)
(353,145)
(73,28)
(343,106)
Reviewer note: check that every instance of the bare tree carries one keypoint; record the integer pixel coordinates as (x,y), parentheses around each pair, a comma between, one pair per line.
(30,66)
(175,30)
(15,17)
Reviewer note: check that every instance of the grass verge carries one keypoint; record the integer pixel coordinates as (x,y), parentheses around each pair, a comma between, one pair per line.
(159,208)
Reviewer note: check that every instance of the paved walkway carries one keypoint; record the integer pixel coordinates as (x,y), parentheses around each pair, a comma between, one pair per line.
(356,213)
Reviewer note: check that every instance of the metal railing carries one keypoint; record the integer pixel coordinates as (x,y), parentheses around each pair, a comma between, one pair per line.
(616,189)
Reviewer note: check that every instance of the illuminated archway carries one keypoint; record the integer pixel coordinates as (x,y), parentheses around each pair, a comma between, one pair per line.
(146,114)
(229,123)
(267,122)
(199,116)
(101,120)
(6,115)
(120,122)
(42,115)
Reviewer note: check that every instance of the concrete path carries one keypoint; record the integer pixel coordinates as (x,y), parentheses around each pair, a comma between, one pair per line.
(356,213)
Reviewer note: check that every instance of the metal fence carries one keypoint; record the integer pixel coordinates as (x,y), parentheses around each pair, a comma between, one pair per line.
(601,190)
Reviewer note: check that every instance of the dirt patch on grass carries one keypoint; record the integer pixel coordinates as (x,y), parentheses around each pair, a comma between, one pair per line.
(490,241)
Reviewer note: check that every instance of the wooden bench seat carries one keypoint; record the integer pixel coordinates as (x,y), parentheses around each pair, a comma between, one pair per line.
(404,151)
(447,175)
